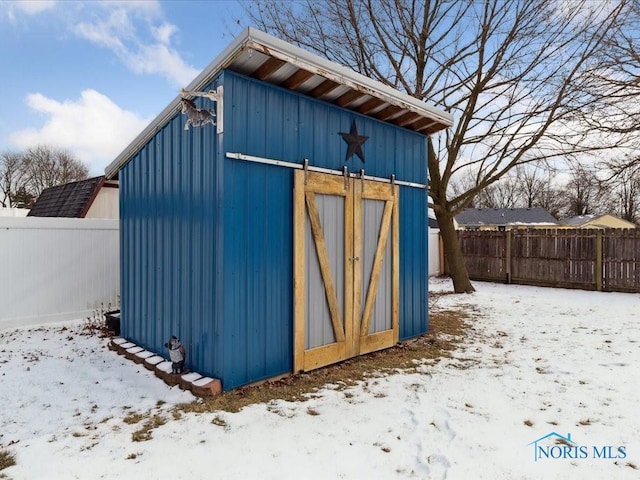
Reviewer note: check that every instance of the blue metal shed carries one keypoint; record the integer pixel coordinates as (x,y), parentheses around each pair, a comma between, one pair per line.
(290,235)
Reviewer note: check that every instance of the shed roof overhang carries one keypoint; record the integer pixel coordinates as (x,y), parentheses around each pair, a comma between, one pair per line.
(269,59)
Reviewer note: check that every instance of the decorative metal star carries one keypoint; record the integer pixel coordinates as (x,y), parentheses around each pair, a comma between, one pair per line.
(354,142)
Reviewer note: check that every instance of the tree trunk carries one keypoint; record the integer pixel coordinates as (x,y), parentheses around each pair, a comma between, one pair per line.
(453,254)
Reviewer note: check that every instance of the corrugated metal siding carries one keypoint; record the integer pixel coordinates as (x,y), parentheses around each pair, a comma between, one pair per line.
(257,278)
(266,121)
(168,215)
(414,279)
(274,123)
(207,241)
(258,236)
(298,127)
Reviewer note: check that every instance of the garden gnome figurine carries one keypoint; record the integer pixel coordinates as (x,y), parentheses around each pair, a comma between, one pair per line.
(176,354)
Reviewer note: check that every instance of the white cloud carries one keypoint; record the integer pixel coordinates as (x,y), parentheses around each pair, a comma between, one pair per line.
(32,7)
(12,8)
(150,7)
(164,32)
(161,59)
(581,11)
(92,127)
(145,47)
(111,33)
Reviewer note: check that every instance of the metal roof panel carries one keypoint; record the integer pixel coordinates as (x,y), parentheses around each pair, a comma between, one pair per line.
(255,53)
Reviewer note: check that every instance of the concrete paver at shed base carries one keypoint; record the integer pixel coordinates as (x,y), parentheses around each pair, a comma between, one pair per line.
(192,381)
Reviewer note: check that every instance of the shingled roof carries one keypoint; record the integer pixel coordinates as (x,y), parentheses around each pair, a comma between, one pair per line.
(477,217)
(71,200)
(597,221)
(578,220)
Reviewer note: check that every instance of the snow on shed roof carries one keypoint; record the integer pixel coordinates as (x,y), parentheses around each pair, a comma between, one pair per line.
(259,55)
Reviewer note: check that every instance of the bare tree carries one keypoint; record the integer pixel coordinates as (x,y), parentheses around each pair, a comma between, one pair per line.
(11,177)
(504,193)
(526,186)
(47,166)
(582,192)
(531,184)
(624,183)
(24,175)
(538,187)
(553,201)
(506,70)
(615,77)
(628,193)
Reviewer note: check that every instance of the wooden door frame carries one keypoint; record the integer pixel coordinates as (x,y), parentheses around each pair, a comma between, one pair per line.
(306,185)
(389,231)
(354,339)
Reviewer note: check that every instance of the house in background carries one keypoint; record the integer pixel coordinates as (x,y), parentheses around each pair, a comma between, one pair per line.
(291,234)
(91,198)
(596,221)
(504,218)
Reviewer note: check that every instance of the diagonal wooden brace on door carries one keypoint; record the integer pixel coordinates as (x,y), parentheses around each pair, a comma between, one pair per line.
(325,268)
(383,235)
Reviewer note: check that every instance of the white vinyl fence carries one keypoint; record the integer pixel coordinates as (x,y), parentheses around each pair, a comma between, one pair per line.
(13,212)
(434,252)
(55,269)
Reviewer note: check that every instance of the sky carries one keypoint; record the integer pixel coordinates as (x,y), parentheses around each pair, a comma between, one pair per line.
(537,362)
(88,76)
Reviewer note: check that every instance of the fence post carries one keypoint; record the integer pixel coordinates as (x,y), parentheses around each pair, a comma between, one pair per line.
(507,255)
(444,267)
(598,272)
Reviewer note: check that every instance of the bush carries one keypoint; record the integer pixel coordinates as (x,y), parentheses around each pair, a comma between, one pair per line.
(7,459)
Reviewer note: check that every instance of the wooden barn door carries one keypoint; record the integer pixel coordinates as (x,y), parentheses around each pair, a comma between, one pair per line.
(345,268)
(376,279)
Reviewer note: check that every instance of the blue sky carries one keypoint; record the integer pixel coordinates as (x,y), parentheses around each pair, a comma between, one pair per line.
(89,76)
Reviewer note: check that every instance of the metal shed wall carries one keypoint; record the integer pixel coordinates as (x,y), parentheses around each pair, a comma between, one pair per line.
(257,278)
(285,125)
(168,211)
(207,241)
(257,284)
(414,278)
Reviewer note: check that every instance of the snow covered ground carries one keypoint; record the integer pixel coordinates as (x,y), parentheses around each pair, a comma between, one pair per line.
(538,362)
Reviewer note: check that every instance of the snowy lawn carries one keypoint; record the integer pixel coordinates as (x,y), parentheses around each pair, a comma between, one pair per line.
(537,361)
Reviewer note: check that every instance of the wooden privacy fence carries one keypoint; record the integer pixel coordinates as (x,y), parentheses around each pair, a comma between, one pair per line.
(589,259)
